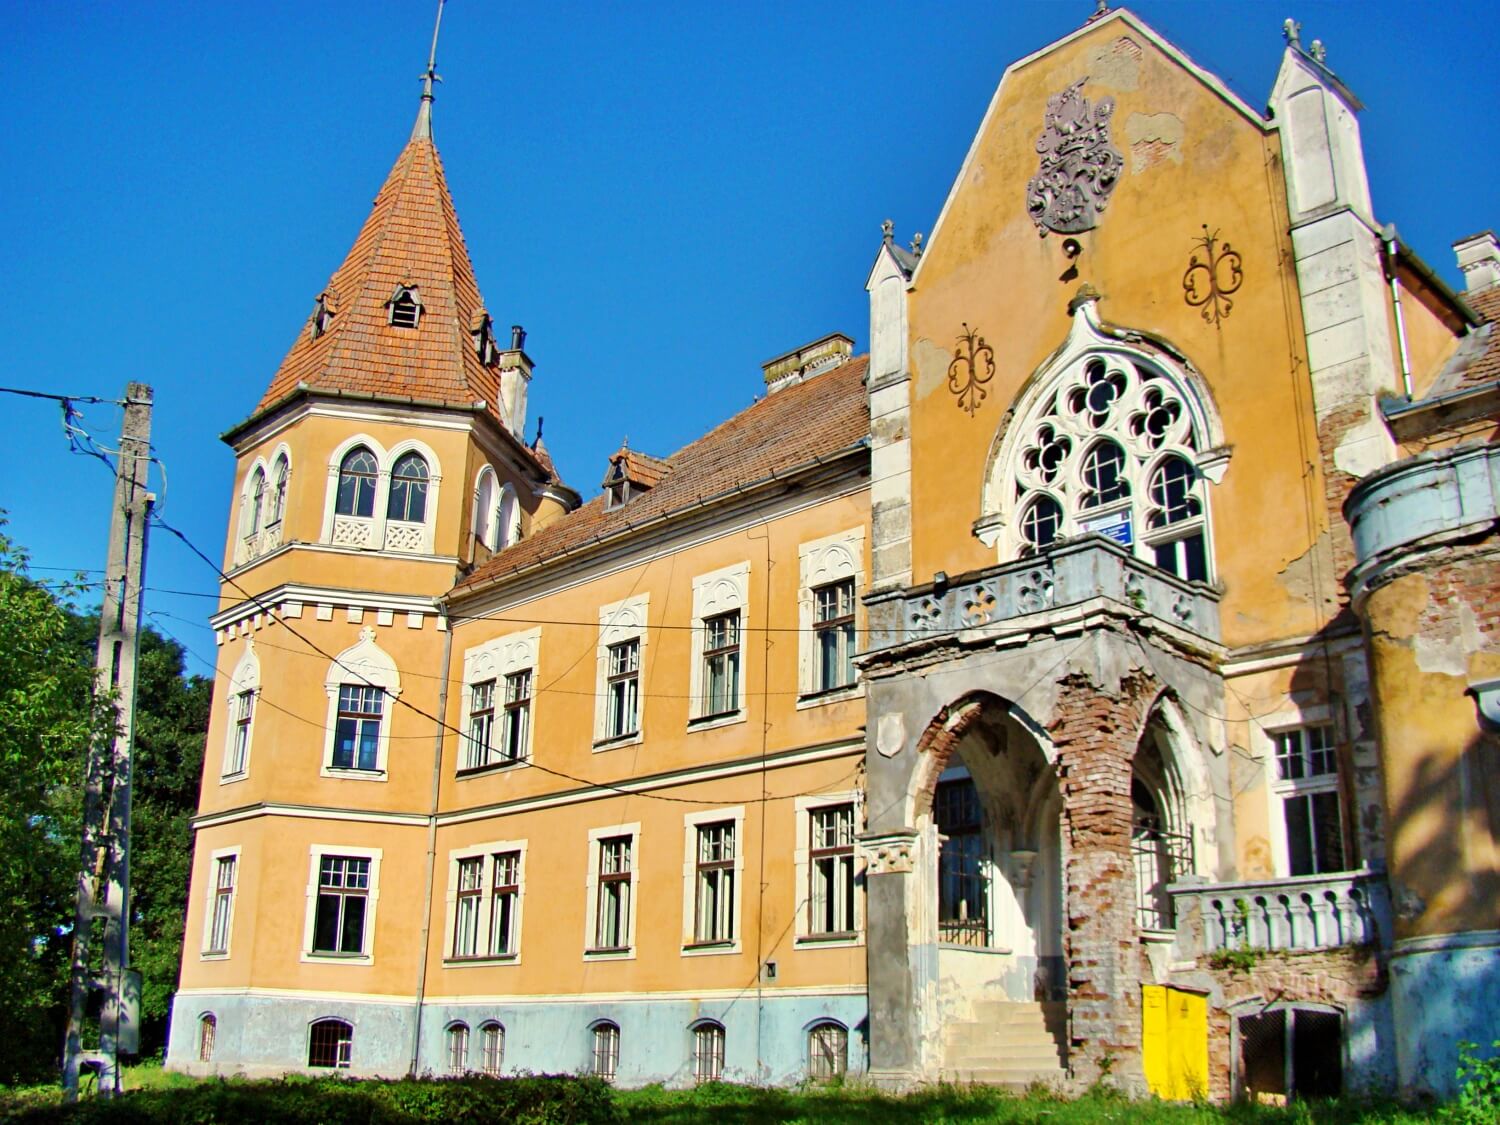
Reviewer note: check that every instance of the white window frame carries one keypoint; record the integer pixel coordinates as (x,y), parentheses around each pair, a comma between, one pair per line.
(627,953)
(1263,740)
(363,664)
(316,852)
(206,950)
(597,1028)
(620,621)
(715,594)
(374,532)
(495,660)
(718,1037)
(485,1030)
(486,507)
(821,562)
(244,680)
(485,853)
(456,1048)
(802,894)
(691,823)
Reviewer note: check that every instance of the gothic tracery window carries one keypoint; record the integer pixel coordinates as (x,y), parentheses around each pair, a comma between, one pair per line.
(1111,450)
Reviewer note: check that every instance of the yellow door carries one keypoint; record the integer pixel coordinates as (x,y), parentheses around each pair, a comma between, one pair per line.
(1174,1042)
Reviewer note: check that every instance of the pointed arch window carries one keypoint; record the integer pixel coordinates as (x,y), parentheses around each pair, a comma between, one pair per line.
(507,518)
(408,499)
(280,471)
(257,502)
(486,519)
(1109,446)
(405,307)
(358,472)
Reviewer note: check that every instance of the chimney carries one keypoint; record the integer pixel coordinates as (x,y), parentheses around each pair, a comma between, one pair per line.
(790,368)
(515,377)
(1479,258)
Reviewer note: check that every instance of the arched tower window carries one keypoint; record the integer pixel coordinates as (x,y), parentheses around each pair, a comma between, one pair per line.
(408,499)
(508,519)
(257,501)
(1108,445)
(485,516)
(357,476)
(280,471)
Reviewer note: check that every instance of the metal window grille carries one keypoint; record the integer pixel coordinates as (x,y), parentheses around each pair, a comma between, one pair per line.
(357,476)
(343,889)
(517,722)
(715,905)
(963,883)
(208,1028)
(330,1044)
(218,938)
(721,664)
(356,741)
(612,910)
(708,1052)
(505,897)
(458,1048)
(827,1052)
(623,690)
(833,632)
(491,1048)
(831,859)
(408,500)
(1160,858)
(466,907)
(606,1060)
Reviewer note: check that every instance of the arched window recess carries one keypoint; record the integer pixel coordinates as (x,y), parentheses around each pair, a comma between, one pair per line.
(1116,436)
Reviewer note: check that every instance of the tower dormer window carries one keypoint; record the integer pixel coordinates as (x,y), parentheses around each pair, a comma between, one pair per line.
(405,307)
(323,313)
(484,338)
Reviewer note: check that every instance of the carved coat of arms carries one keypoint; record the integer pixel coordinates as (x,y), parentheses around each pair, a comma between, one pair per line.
(1079,166)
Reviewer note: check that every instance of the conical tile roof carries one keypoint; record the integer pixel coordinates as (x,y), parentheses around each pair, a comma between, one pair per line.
(412,238)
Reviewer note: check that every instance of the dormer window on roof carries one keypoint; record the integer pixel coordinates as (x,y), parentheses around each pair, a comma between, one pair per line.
(630,474)
(323,314)
(405,307)
(483,331)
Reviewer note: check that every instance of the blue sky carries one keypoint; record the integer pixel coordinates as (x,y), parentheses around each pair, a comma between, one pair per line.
(665,195)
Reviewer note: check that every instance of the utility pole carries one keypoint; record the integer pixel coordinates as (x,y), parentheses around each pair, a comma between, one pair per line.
(103,986)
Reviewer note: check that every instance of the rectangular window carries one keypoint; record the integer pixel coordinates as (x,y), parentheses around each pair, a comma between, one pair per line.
(623,689)
(466,907)
(721,664)
(356,742)
(517,721)
(223,904)
(1186,557)
(481,724)
(831,896)
(343,895)
(1307,778)
(833,631)
(505,898)
(244,708)
(714,913)
(612,907)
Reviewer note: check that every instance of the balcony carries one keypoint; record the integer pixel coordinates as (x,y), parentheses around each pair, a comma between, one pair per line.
(1043,591)
(1293,915)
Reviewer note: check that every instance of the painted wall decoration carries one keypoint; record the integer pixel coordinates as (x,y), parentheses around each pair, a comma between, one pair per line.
(1079,166)
(973,366)
(1214,272)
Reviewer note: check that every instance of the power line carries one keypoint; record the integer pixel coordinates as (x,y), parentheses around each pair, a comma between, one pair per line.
(91,399)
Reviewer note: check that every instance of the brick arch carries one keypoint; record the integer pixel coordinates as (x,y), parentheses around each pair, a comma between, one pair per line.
(939,742)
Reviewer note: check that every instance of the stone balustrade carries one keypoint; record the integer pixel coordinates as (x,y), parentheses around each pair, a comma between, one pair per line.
(1296,914)
(1013,595)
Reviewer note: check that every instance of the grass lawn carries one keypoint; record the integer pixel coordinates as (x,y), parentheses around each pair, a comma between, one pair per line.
(158,1096)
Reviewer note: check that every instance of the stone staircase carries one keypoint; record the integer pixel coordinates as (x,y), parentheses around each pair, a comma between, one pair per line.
(1007,1043)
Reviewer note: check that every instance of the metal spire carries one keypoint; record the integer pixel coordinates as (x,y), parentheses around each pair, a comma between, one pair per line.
(423,127)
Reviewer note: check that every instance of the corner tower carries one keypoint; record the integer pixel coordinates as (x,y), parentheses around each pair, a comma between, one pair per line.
(385,458)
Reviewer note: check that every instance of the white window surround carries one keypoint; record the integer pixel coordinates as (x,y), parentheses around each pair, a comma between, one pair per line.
(620,621)
(721,591)
(819,563)
(258,528)
(363,663)
(375,532)
(494,660)
(372,899)
(691,822)
(1263,734)
(245,678)
(507,517)
(484,853)
(205,952)
(633,831)
(802,898)
(1175,390)
(486,505)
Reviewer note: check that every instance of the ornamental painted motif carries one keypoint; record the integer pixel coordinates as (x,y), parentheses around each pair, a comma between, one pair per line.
(973,366)
(1209,280)
(1079,166)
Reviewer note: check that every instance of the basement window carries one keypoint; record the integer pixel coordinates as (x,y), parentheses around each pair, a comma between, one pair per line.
(405,307)
(1291,1052)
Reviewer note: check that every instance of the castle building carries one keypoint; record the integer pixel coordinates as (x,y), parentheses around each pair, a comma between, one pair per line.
(1097,680)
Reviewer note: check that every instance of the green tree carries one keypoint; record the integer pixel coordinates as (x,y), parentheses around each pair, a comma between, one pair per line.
(48,718)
